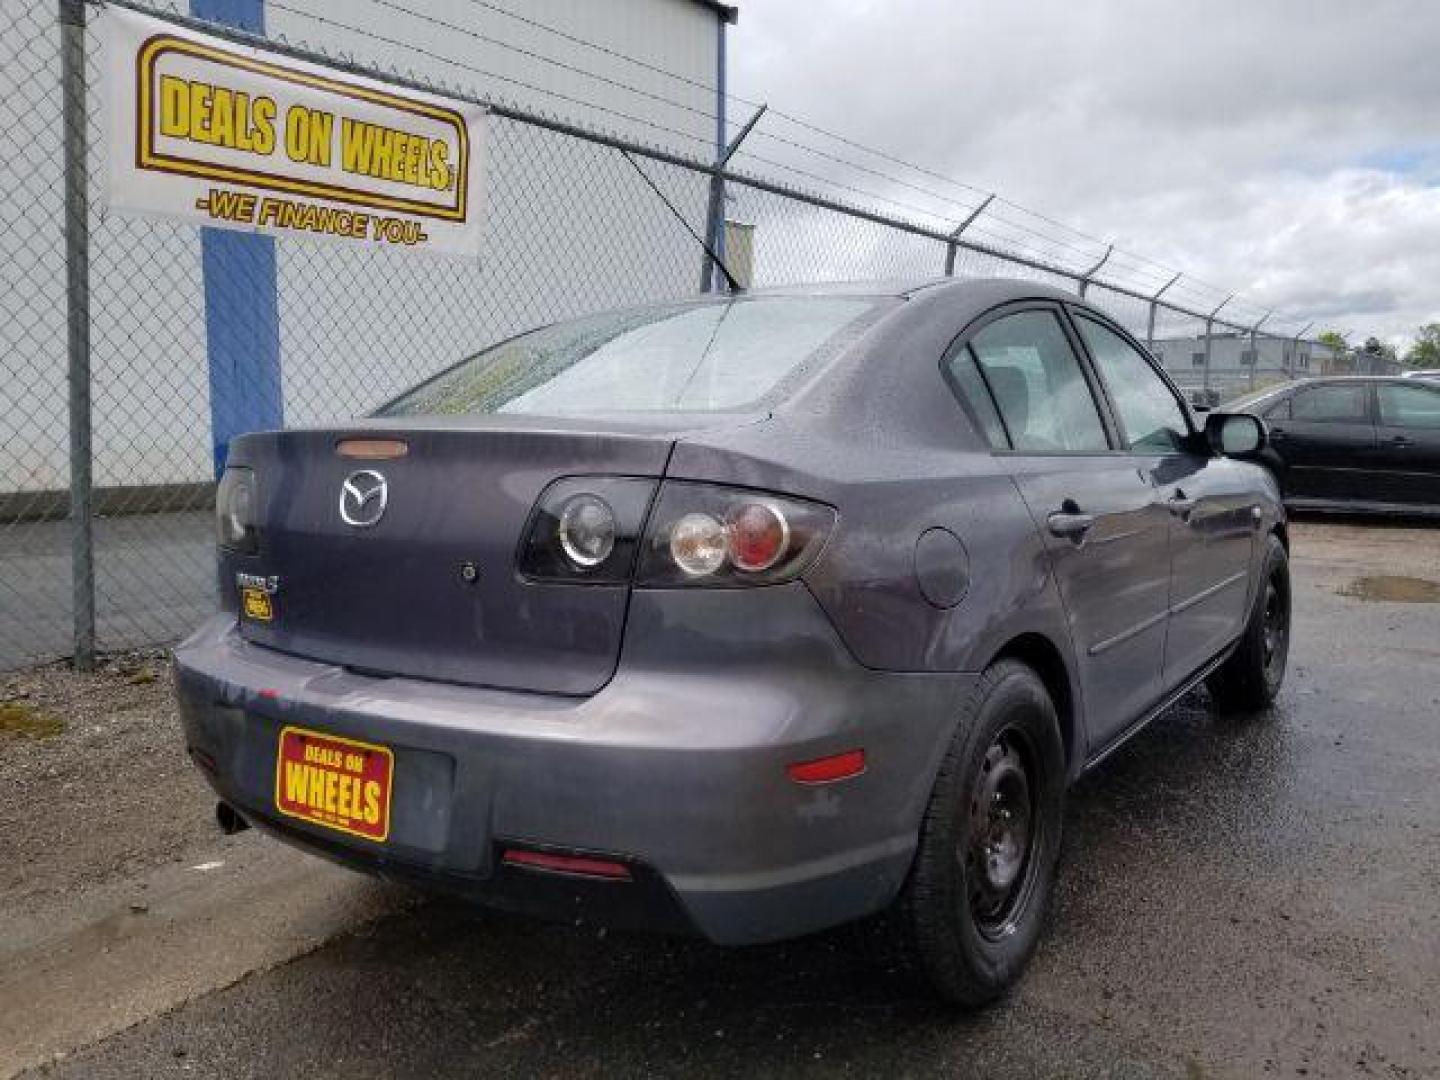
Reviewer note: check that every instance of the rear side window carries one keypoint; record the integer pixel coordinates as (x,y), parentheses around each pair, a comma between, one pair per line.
(1343,403)
(1037,385)
(679,357)
(972,387)
(1408,406)
(1151,415)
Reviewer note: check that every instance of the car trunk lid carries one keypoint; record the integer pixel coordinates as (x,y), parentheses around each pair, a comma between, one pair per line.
(398,596)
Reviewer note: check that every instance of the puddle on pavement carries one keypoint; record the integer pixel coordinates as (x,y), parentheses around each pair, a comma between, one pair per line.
(1393,588)
(18,718)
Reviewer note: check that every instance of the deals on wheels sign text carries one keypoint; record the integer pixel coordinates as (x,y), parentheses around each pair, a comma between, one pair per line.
(244,138)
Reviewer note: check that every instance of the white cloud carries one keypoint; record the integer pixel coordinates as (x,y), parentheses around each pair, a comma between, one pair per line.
(1285,149)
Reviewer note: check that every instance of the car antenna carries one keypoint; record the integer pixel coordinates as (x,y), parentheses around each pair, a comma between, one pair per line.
(735,286)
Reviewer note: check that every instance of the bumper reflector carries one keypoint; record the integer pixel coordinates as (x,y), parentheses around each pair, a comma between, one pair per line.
(578,865)
(828,769)
(204,760)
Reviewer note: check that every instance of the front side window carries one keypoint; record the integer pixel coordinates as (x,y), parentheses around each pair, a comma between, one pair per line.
(1342,403)
(1408,406)
(1152,417)
(678,357)
(1037,385)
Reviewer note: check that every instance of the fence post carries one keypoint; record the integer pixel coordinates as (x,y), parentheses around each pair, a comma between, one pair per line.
(954,245)
(1210,333)
(1254,349)
(715,213)
(1088,274)
(1294,360)
(77,330)
(1155,303)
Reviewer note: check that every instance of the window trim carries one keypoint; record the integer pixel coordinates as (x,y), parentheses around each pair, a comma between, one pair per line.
(961,342)
(1074,312)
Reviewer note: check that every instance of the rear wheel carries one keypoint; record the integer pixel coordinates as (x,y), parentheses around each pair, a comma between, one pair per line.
(1251,677)
(971,911)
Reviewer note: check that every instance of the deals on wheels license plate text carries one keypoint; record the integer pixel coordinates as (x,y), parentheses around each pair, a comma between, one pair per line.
(338,783)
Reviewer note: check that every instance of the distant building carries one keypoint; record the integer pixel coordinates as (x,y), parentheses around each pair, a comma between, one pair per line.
(1233,353)
(1236,365)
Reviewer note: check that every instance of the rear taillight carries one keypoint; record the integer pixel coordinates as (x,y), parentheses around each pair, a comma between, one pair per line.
(592,529)
(235,518)
(710,535)
(586,529)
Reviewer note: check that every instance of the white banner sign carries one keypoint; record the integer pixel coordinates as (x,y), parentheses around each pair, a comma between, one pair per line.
(243,138)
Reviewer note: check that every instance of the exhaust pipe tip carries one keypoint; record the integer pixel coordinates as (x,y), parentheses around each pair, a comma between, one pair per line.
(229,819)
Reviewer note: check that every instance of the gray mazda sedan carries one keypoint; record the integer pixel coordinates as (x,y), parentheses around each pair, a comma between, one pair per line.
(743,616)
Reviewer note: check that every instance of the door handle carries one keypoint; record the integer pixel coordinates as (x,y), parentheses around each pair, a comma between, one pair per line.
(1400,441)
(1070,525)
(1277,433)
(1180,506)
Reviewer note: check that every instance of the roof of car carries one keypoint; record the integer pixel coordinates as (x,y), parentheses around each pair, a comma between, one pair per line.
(1341,379)
(1279,390)
(906,287)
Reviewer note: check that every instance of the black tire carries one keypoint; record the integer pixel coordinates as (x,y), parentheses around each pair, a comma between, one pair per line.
(957,922)
(1249,680)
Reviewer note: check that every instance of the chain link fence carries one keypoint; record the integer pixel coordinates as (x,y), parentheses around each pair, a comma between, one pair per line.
(105,515)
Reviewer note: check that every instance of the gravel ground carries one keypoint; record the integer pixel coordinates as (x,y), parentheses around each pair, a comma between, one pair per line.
(1240,897)
(97,785)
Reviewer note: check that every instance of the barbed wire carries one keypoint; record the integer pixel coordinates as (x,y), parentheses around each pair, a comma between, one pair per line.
(1117,254)
(1000,235)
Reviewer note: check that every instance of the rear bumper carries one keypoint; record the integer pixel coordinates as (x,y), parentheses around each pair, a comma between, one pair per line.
(680,772)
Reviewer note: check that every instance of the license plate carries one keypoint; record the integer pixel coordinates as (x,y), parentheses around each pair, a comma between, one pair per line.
(338,783)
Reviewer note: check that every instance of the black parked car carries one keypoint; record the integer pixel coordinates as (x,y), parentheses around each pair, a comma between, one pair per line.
(1364,443)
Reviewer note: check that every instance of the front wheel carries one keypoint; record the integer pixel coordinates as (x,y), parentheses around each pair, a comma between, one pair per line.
(1249,680)
(971,911)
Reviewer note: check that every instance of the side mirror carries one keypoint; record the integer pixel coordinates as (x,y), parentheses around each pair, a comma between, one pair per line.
(1237,435)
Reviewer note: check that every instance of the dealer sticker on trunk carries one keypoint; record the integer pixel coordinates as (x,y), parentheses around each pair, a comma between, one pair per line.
(338,783)
(257,595)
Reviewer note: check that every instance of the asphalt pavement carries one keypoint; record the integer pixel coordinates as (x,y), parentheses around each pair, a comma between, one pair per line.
(154,579)
(1242,896)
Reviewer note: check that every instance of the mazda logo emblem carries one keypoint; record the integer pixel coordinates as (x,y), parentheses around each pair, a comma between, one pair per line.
(363,498)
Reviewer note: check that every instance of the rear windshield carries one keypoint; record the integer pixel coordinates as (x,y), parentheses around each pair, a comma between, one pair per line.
(680,357)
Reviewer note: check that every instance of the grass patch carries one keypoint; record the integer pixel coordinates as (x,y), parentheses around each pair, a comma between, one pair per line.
(18,718)
(1394,589)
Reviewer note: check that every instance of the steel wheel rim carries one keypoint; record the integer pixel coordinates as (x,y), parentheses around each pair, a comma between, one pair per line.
(997,848)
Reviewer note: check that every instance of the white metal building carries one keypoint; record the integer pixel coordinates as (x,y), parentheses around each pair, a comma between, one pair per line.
(1233,352)
(569,227)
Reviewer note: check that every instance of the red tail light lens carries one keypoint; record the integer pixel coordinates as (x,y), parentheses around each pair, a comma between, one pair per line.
(759,536)
(710,535)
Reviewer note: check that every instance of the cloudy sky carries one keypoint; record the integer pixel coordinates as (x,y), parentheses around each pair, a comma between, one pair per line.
(1288,149)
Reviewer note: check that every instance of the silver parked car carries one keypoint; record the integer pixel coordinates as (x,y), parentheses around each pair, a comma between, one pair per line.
(744,616)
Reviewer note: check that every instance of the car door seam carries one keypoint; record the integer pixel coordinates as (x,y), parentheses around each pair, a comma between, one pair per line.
(1208,592)
(1125,635)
